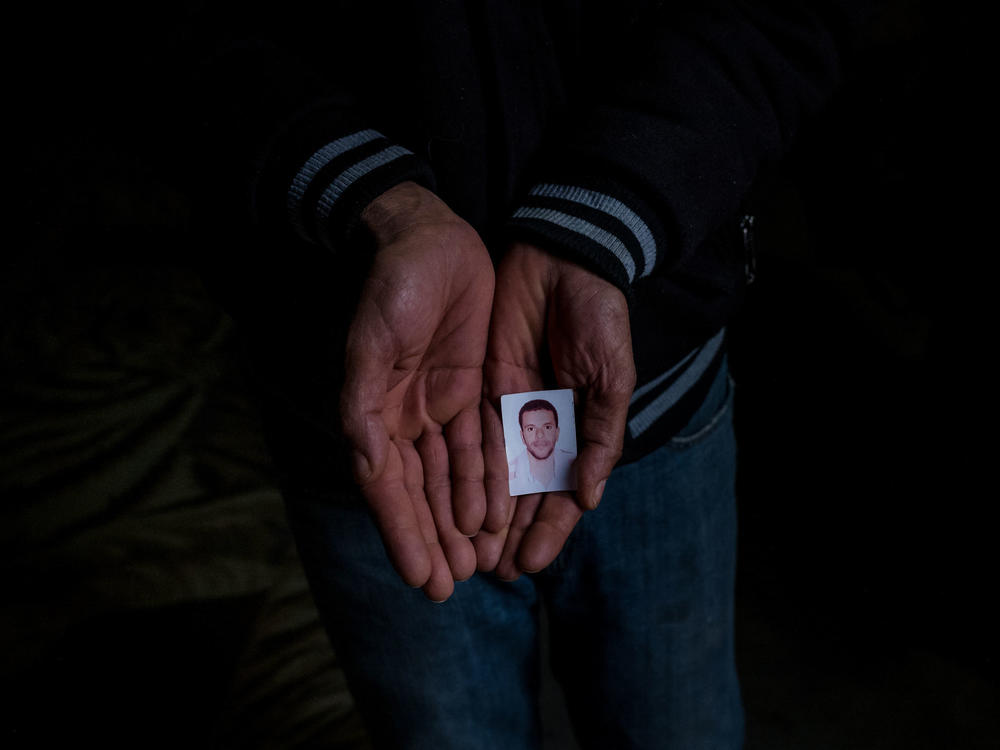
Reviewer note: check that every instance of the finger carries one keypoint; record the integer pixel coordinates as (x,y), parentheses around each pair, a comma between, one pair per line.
(602,436)
(553,522)
(464,437)
(507,568)
(439,583)
(489,547)
(368,363)
(393,511)
(499,503)
(458,550)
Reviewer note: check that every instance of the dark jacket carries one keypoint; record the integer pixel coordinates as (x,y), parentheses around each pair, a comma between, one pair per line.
(624,136)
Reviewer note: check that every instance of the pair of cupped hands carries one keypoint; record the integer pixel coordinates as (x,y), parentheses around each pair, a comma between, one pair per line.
(439,335)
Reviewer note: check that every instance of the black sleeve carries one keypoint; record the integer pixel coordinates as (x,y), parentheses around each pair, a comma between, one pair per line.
(679,114)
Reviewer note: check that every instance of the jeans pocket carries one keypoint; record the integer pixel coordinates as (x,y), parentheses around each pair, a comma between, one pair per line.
(715,411)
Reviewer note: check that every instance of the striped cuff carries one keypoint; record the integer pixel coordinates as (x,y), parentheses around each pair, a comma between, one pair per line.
(591,223)
(334,185)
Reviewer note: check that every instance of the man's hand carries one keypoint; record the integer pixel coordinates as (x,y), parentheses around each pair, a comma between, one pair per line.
(410,404)
(551,315)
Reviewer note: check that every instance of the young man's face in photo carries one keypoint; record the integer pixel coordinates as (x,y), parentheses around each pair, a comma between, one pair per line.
(539,432)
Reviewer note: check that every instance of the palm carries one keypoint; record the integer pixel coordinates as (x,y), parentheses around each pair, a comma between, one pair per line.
(439,330)
(554,324)
(411,398)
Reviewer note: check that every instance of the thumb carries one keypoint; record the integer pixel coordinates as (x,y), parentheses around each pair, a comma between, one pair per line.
(591,345)
(370,450)
(602,434)
(362,400)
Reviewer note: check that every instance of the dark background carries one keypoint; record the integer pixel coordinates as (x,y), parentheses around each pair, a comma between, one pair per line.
(867,556)
(863,413)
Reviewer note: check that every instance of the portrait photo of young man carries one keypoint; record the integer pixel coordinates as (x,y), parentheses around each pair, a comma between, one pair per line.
(540,452)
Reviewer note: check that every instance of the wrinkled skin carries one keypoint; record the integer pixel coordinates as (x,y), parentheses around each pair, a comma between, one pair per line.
(411,400)
(551,315)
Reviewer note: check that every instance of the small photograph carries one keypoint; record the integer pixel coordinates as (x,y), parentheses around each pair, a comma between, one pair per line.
(539,429)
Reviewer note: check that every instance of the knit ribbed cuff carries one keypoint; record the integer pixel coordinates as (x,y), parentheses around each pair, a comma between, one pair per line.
(604,230)
(328,193)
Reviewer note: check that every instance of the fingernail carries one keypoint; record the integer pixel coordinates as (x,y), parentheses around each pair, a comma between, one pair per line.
(598,492)
(362,469)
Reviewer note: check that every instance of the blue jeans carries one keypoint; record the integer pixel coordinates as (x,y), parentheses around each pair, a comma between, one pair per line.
(640,606)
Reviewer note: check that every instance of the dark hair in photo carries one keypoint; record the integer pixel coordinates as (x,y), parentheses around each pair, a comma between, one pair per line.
(538,404)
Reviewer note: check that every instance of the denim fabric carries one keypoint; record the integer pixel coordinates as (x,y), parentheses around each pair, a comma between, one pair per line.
(640,606)
(640,601)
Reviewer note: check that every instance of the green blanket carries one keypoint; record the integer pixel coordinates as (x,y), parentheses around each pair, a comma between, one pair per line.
(153,593)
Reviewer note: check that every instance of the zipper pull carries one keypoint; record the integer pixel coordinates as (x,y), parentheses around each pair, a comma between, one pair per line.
(749,248)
